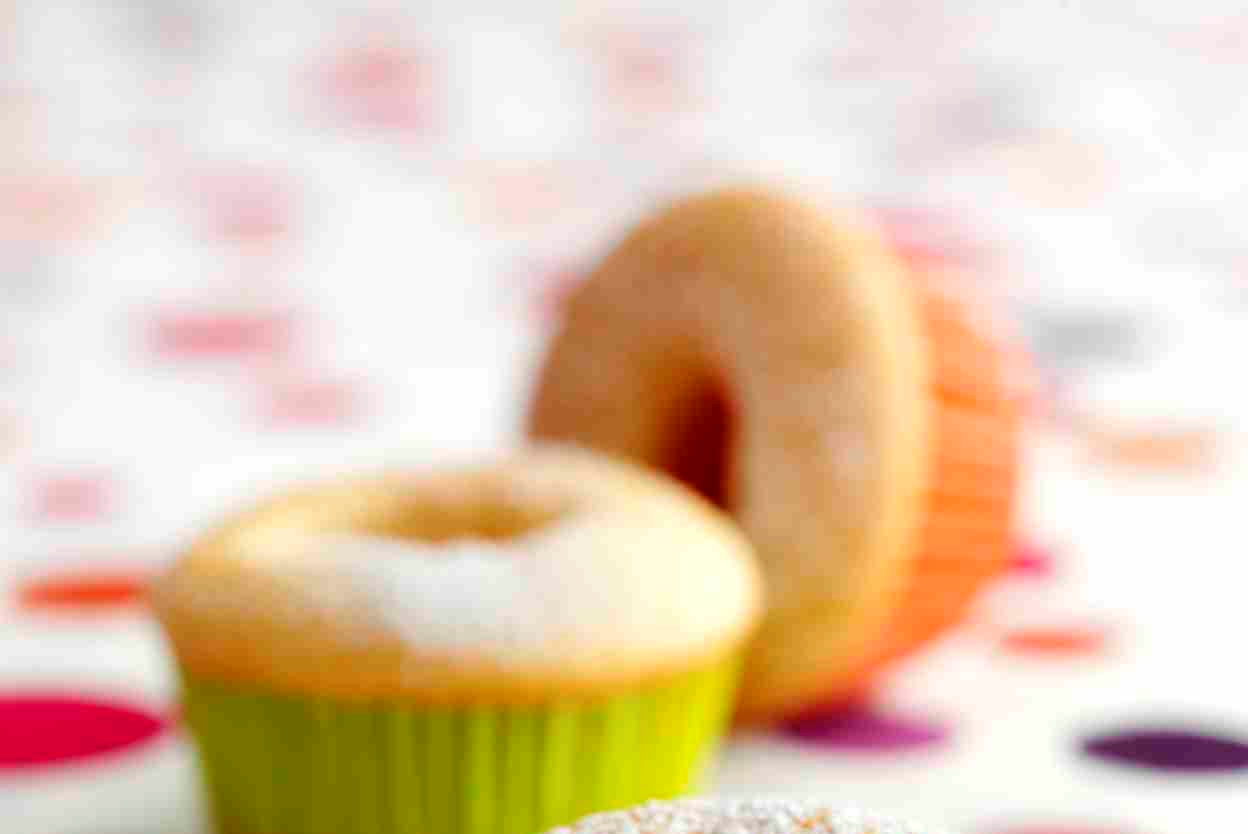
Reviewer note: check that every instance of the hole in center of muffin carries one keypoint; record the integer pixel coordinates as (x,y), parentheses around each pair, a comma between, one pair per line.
(699,449)
(488,520)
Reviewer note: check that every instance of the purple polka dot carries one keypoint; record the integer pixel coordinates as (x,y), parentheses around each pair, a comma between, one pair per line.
(860,728)
(1167,748)
(45,729)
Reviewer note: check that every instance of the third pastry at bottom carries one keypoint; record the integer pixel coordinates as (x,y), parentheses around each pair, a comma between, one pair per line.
(741,816)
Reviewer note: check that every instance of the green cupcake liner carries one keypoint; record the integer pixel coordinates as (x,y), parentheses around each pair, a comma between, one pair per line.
(281,764)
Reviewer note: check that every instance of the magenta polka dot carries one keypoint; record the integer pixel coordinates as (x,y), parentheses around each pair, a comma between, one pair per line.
(1169,748)
(1032,561)
(859,728)
(47,729)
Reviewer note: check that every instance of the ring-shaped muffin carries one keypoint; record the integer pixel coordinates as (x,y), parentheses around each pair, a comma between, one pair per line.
(783,360)
(489,649)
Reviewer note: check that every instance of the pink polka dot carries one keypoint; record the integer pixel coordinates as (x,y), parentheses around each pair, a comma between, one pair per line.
(48,208)
(47,729)
(928,238)
(72,498)
(380,85)
(644,80)
(643,69)
(244,205)
(311,403)
(522,196)
(215,335)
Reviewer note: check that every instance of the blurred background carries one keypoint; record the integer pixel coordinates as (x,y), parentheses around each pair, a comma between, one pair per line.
(243,244)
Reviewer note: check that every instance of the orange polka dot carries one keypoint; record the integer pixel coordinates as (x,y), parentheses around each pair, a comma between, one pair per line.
(83,590)
(1190,450)
(1056,640)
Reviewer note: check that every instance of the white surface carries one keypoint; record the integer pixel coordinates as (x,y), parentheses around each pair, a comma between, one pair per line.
(1097,149)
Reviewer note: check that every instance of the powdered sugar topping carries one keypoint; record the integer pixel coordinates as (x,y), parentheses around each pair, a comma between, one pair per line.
(591,586)
(755,816)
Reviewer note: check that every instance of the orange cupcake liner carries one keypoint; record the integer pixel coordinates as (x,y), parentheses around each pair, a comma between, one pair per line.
(964,541)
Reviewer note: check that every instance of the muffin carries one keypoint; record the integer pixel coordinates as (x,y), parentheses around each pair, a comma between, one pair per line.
(497,648)
(848,410)
(758,816)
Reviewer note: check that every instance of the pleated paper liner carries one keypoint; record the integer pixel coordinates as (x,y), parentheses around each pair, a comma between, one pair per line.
(280,764)
(964,536)
(964,540)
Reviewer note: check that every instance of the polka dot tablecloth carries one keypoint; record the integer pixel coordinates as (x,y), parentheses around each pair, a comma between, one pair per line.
(247,244)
